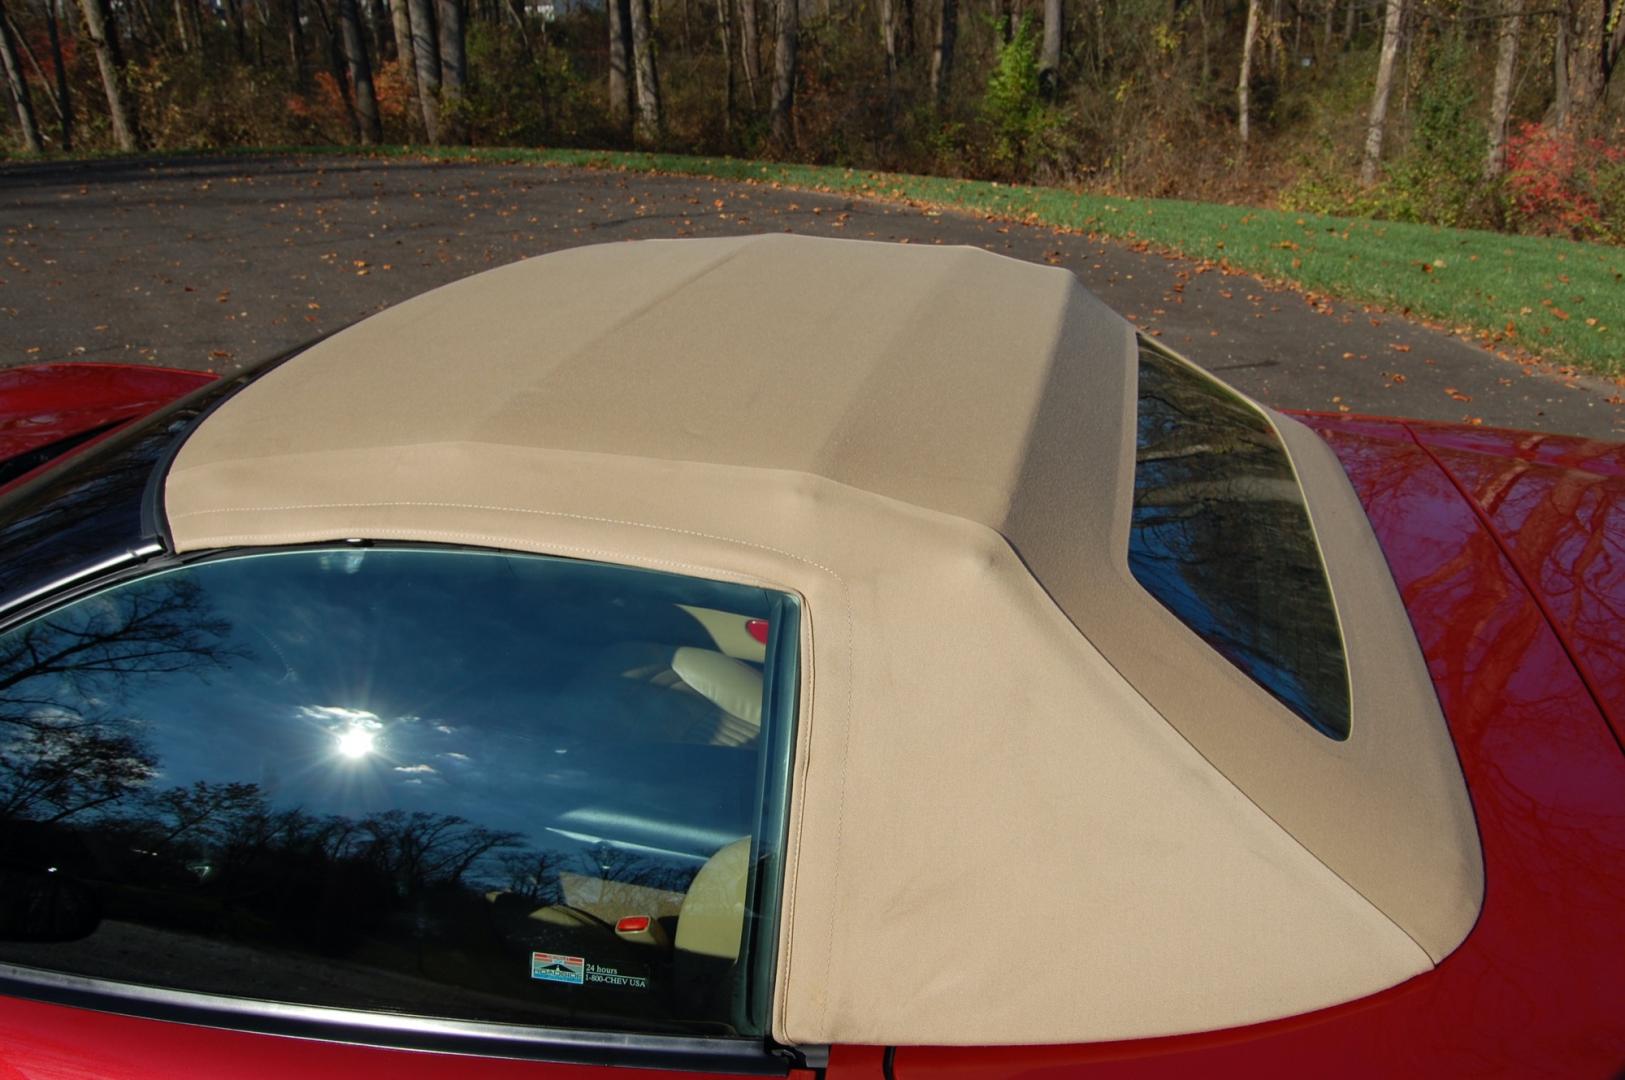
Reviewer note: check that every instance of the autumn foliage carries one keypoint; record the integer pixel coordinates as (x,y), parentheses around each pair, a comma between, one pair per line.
(1560,184)
(1143,100)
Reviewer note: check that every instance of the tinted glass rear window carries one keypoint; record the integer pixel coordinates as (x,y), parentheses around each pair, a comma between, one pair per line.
(434,782)
(1221,537)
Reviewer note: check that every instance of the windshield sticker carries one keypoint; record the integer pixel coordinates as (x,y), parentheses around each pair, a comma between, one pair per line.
(602,973)
(555,968)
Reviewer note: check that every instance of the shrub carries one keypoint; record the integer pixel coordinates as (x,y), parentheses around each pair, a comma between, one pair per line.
(1439,177)
(1028,136)
(1559,184)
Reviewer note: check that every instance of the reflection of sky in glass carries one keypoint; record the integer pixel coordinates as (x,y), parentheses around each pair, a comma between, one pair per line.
(1222,539)
(485,686)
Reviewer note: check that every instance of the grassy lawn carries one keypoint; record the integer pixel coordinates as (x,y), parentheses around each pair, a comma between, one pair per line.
(1557,299)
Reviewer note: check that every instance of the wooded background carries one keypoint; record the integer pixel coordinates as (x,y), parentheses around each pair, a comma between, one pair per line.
(1495,113)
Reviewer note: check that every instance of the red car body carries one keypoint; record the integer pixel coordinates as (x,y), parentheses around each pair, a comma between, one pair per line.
(1509,551)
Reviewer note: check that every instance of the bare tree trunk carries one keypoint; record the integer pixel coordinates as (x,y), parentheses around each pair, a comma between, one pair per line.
(1049,56)
(337,67)
(103,39)
(620,62)
(1588,38)
(33,62)
(182,26)
(19,87)
(379,28)
(400,13)
(1558,114)
(750,51)
(782,113)
(1244,85)
(888,38)
(1392,24)
(369,126)
(296,45)
(1202,21)
(1506,56)
(426,49)
(60,68)
(646,80)
(725,33)
(239,31)
(453,69)
(942,56)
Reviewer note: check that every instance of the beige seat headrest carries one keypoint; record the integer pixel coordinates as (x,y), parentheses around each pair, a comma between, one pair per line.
(732,686)
(712,921)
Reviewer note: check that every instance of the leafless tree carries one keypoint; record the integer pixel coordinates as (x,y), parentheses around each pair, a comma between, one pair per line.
(360,68)
(646,79)
(942,55)
(426,50)
(1393,24)
(1506,55)
(750,48)
(620,61)
(453,68)
(18,87)
(400,13)
(59,69)
(1244,85)
(1049,55)
(788,40)
(100,31)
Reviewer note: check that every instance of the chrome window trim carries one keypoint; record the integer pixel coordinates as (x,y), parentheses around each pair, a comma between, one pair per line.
(83,575)
(399,1031)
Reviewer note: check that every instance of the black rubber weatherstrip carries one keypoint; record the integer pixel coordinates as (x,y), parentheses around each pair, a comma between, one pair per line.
(745,1057)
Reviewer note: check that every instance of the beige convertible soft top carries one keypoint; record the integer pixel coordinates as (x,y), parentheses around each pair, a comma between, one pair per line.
(1029,805)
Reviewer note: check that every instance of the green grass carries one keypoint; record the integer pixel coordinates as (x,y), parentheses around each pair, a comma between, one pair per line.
(1557,299)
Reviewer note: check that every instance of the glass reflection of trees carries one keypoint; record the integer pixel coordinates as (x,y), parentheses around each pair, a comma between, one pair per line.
(1221,538)
(137,842)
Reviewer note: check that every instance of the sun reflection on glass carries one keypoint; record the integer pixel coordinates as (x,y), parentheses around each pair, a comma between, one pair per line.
(355,743)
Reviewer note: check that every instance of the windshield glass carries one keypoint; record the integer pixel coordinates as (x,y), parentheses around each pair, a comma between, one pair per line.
(437,782)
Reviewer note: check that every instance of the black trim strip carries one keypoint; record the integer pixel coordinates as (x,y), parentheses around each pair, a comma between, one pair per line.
(217,394)
(29,460)
(745,1057)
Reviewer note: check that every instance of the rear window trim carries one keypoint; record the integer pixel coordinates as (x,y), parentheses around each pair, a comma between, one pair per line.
(1269,418)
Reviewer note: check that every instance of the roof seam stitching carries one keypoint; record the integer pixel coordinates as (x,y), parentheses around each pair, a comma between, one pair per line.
(497,507)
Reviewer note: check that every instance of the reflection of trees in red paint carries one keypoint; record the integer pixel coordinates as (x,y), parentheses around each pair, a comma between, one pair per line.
(1565,529)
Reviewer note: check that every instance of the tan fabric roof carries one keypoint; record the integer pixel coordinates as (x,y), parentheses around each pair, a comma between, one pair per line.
(1004,830)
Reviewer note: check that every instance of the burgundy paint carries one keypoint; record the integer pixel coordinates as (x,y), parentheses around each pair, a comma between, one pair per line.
(1561,518)
(54,1042)
(45,403)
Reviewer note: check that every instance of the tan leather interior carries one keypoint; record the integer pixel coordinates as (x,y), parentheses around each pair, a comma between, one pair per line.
(730,685)
(712,920)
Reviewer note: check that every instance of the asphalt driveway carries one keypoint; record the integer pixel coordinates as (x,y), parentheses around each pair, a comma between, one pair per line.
(213,263)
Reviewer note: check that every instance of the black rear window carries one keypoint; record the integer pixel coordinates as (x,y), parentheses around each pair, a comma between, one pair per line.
(1221,537)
